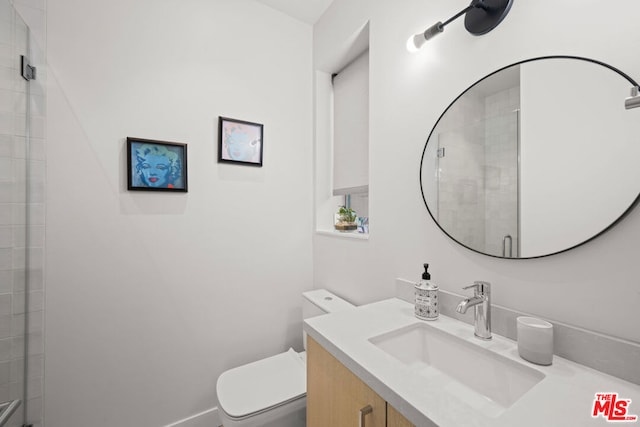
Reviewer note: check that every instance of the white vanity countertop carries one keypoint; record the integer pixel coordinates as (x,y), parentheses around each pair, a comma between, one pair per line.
(565,396)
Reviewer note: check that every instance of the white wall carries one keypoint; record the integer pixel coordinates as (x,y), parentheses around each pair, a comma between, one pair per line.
(561,125)
(594,286)
(150,296)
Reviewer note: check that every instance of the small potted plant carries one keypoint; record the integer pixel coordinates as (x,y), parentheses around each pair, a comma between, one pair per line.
(346,219)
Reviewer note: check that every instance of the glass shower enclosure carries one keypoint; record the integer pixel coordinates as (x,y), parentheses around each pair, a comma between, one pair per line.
(478,182)
(21,243)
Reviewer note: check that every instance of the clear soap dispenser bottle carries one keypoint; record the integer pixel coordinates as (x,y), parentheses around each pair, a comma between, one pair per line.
(426,297)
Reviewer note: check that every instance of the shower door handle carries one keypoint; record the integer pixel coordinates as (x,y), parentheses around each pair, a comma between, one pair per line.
(504,246)
(363,413)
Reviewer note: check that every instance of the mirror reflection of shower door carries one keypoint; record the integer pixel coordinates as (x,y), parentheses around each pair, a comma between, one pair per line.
(478,185)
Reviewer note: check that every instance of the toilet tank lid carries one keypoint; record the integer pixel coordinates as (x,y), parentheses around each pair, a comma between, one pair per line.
(327,301)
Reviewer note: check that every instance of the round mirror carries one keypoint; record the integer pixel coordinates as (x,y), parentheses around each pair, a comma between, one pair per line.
(534,159)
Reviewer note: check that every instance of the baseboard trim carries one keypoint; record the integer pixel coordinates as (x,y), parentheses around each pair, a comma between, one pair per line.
(208,418)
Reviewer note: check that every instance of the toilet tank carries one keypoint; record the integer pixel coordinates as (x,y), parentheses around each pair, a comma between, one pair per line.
(321,301)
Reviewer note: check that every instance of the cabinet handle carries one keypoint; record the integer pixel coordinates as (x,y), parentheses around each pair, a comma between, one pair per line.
(363,413)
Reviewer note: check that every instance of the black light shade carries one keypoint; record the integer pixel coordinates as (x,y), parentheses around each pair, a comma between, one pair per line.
(485,17)
(481,16)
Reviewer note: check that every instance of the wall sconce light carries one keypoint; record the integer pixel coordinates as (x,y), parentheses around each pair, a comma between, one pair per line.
(481,16)
(634,100)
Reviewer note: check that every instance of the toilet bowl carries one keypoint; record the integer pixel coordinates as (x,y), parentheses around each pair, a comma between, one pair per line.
(272,392)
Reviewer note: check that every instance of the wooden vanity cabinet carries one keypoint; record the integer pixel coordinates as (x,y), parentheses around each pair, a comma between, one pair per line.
(338,398)
(395,418)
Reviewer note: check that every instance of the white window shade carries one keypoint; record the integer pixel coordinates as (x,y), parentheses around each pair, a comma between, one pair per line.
(351,128)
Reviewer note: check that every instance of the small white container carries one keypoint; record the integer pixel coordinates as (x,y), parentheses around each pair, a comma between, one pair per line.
(535,340)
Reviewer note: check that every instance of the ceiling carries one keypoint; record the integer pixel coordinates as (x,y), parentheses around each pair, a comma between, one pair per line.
(308,11)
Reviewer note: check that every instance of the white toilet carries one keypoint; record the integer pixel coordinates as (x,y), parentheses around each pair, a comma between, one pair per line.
(272,392)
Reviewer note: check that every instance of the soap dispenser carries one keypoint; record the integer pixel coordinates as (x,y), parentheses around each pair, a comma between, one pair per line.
(426,297)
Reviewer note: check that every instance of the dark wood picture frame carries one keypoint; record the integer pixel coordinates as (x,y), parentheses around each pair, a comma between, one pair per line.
(156,165)
(240,142)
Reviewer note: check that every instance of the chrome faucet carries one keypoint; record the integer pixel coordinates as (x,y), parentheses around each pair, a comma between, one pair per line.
(481,303)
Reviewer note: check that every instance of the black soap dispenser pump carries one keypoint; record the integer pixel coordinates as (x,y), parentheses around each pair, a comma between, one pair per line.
(426,297)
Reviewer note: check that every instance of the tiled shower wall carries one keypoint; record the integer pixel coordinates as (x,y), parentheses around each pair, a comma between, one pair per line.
(460,195)
(22,213)
(478,175)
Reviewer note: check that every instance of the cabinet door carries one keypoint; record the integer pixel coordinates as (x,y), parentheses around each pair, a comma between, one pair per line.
(335,396)
(395,418)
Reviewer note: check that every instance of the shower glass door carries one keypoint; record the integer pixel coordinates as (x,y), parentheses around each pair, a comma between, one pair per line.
(14,213)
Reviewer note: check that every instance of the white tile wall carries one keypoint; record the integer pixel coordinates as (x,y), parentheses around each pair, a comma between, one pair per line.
(6,145)
(6,259)
(5,349)
(461,183)
(6,282)
(478,174)
(501,170)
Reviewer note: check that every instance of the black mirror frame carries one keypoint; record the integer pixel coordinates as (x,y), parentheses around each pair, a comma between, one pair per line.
(623,215)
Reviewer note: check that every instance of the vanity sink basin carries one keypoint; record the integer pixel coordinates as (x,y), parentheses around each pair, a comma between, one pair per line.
(486,381)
